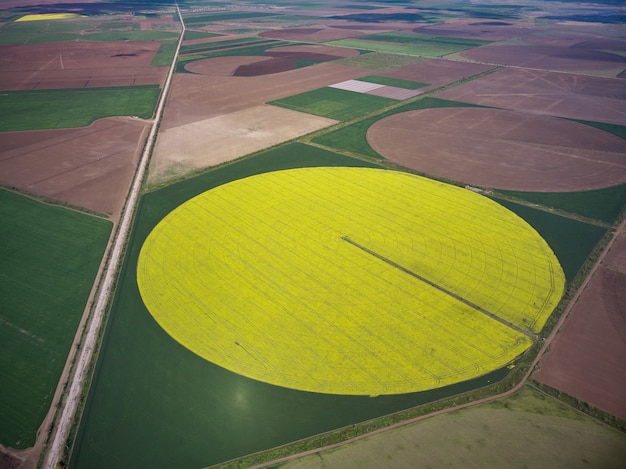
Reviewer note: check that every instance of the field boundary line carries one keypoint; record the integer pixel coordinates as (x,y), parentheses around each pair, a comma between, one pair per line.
(465,301)
(106,283)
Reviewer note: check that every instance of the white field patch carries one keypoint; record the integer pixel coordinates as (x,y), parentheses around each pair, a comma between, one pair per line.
(190,147)
(356,86)
(375,89)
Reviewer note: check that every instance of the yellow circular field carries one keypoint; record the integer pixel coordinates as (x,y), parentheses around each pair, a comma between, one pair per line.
(349,280)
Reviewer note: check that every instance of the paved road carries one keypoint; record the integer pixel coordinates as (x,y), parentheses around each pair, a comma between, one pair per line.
(116,248)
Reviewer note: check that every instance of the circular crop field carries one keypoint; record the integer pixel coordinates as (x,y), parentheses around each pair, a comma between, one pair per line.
(349,280)
(502,149)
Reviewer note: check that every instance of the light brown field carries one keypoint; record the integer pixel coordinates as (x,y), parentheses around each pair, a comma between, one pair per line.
(90,167)
(540,92)
(502,149)
(209,142)
(587,359)
(79,65)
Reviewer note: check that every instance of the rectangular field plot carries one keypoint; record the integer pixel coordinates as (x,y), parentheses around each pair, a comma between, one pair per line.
(67,108)
(333,103)
(50,256)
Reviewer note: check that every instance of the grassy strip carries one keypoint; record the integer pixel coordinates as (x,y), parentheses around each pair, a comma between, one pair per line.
(66,108)
(50,258)
(165,54)
(379,60)
(603,205)
(333,103)
(420,39)
(397,82)
(427,50)
(190,35)
(221,16)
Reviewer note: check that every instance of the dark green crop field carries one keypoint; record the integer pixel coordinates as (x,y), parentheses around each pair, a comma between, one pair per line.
(333,103)
(50,256)
(65,108)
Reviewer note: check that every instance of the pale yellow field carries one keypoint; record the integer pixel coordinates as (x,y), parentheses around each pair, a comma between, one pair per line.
(255,276)
(48,16)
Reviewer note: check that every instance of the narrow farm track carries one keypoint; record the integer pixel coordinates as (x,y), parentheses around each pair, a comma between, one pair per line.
(621,228)
(441,289)
(84,357)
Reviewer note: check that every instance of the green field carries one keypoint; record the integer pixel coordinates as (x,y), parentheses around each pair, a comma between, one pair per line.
(214,415)
(379,60)
(525,428)
(50,256)
(408,43)
(66,108)
(165,54)
(333,103)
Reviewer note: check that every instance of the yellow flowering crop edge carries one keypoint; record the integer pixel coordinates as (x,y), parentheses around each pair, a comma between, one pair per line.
(48,16)
(257,277)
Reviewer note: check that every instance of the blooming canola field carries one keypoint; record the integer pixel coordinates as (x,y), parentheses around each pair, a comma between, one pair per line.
(349,280)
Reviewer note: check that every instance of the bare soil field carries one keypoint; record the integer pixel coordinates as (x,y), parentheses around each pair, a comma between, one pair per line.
(436,72)
(280,59)
(555,58)
(79,65)
(209,142)
(502,149)
(196,97)
(90,167)
(540,92)
(587,359)
(576,40)
(472,28)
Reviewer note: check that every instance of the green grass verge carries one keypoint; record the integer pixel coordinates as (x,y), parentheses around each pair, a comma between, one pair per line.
(50,256)
(66,108)
(603,204)
(165,54)
(333,103)
(190,35)
(221,16)
(397,82)
(453,43)
(144,378)
(226,44)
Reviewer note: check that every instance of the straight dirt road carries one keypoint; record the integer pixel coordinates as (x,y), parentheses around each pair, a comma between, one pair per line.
(106,282)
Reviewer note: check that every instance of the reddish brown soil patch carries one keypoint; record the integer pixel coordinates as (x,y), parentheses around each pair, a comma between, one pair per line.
(587,359)
(197,97)
(502,149)
(265,67)
(539,92)
(565,59)
(311,34)
(78,65)
(616,257)
(436,72)
(90,167)
(222,66)
(575,40)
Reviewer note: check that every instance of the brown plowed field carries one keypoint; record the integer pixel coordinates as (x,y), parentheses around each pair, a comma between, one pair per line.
(281,59)
(472,28)
(502,149)
(436,72)
(196,97)
(540,92)
(79,65)
(90,167)
(587,359)
(565,59)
